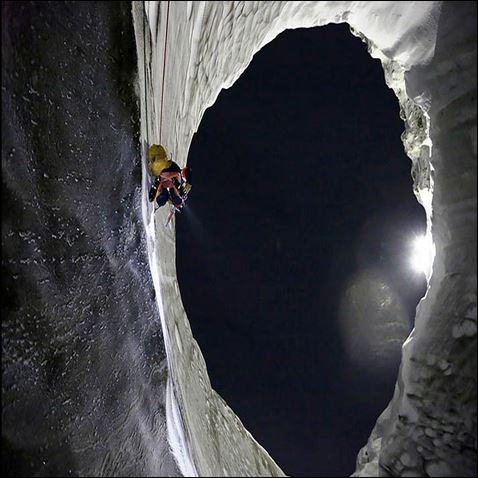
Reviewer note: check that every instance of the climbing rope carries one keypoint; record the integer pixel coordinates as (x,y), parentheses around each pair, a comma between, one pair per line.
(164,71)
(144,66)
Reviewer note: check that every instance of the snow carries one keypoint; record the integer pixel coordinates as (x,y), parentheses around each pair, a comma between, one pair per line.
(428,53)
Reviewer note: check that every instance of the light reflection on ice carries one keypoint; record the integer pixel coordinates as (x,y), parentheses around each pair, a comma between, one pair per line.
(422,254)
(374,321)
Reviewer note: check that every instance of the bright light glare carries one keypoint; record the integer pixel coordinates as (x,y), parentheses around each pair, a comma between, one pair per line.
(422,254)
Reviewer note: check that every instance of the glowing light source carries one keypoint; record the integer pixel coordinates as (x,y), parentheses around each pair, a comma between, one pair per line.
(422,254)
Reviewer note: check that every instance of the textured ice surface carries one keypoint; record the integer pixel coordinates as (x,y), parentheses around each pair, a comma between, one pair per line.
(428,53)
(83,364)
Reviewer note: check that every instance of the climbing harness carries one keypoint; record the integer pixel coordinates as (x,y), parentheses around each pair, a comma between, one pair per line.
(175,209)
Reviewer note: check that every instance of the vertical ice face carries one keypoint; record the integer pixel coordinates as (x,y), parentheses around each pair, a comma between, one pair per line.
(428,53)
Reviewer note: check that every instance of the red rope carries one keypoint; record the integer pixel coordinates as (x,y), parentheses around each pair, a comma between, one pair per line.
(164,71)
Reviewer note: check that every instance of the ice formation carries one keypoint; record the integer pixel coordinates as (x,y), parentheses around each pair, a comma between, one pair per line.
(428,54)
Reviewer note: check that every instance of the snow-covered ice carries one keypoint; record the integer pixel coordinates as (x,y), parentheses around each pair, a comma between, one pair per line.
(428,54)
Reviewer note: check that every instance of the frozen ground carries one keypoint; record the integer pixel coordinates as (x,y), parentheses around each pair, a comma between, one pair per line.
(428,53)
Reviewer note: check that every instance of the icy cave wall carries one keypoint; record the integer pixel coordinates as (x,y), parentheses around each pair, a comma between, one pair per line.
(428,53)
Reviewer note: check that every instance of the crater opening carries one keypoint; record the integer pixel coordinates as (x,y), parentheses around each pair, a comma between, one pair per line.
(293,254)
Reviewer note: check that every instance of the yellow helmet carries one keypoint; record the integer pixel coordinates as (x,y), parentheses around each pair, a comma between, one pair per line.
(155,152)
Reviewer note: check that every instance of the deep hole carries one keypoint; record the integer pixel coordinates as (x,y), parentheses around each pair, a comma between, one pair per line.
(300,183)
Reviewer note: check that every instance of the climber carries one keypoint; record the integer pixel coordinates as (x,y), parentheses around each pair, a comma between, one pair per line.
(172,183)
(173,186)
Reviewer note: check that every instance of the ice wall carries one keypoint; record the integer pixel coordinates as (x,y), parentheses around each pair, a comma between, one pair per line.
(428,53)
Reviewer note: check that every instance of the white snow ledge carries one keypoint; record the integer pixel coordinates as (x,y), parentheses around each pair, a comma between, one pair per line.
(428,53)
